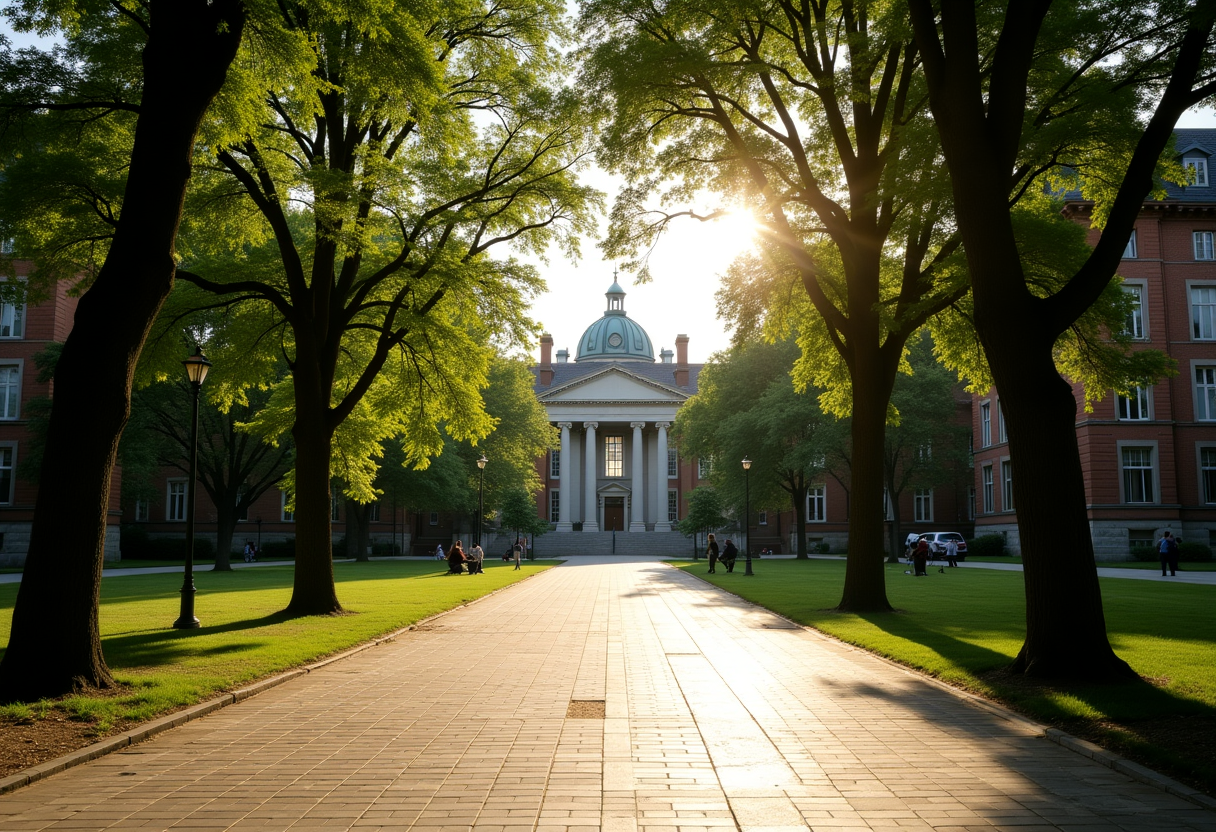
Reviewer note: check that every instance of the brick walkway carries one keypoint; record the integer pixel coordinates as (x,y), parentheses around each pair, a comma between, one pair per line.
(718,716)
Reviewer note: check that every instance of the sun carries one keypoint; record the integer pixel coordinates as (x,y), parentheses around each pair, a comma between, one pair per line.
(736,231)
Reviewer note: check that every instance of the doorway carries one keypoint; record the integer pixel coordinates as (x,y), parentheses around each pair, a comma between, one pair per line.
(614,514)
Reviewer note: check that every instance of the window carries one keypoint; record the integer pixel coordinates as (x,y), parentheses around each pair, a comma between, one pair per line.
(6,246)
(1137,475)
(1203,246)
(1203,312)
(555,464)
(7,454)
(1133,408)
(704,466)
(924,453)
(816,504)
(1140,540)
(614,456)
(555,504)
(1000,421)
(971,502)
(1129,251)
(1134,323)
(1207,474)
(762,519)
(242,512)
(1006,485)
(10,390)
(373,516)
(887,513)
(434,518)
(673,464)
(673,505)
(922,505)
(985,424)
(142,511)
(285,514)
(986,481)
(175,506)
(12,320)
(1196,172)
(1205,394)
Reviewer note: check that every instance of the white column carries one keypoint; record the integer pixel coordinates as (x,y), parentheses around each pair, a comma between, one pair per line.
(591,518)
(660,521)
(637,505)
(565,486)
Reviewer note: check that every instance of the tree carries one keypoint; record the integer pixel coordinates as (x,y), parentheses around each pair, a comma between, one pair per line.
(150,76)
(746,406)
(370,200)
(518,511)
(235,465)
(1019,91)
(927,447)
(811,116)
(705,513)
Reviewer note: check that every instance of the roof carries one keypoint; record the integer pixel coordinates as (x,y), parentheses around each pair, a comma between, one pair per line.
(661,373)
(1190,142)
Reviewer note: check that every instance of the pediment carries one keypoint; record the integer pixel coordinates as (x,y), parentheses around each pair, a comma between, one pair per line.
(613,384)
(614,489)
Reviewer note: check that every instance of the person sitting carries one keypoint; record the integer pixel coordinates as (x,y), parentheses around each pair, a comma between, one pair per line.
(456,559)
(439,555)
(729,553)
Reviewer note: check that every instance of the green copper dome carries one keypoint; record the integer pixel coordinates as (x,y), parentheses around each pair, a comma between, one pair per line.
(614,337)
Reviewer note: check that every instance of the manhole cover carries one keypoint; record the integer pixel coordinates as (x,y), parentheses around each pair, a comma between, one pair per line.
(585,709)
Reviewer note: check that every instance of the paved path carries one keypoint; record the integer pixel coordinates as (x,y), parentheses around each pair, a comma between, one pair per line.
(719,716)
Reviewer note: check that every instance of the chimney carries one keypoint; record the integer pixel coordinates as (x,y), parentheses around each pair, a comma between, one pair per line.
(546,359)
(665,355)
(681,361)
(563,356)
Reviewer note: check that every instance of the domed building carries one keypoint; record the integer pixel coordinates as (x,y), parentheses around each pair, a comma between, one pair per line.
(616,470)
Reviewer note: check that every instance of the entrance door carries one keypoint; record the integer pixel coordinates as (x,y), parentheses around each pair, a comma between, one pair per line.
(614,514)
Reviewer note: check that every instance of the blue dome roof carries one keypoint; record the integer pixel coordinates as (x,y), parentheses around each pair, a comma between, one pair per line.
(614,337)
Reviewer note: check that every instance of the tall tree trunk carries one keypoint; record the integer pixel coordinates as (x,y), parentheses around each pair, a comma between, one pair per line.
(313,592)
(225,526)
(873,374)
(799,497)
(358,517)
(55,645)
(1065,625)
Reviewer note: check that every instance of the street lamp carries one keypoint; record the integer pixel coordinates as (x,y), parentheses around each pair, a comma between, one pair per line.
(196,370)
(481,480)
(747,515)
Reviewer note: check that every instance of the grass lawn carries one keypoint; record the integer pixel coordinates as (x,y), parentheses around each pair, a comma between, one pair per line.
(966,625)
(243,635)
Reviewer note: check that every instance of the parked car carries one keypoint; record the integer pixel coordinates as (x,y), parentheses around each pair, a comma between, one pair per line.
(937,543)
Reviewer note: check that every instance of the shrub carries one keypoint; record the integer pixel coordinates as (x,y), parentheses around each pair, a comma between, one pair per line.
(822,547)
(1190,551)
(986,545)
(386,548)
(133,542)
(279,549)
(136,545)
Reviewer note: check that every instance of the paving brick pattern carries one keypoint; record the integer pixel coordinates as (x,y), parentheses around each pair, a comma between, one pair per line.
(718,715)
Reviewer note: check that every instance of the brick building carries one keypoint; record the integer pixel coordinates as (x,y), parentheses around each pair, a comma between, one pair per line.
(1150,459)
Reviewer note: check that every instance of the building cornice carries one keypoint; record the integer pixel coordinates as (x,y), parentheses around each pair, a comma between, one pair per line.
(1085,208)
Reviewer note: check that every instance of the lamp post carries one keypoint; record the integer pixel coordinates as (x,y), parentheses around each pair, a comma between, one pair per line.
(747,515)
(196,370)
(481,480)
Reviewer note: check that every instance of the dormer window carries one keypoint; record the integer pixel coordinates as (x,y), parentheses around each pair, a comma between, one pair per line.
(1197,171)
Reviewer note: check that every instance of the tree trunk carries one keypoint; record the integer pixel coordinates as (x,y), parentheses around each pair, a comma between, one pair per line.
(799,496)
(893,541)
(55,644)
(873,374)
(1065,625)
(225,526)
(313,592)
(358,533)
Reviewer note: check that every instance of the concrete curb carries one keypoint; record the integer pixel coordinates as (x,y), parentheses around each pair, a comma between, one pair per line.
(173,720)
(1085,748)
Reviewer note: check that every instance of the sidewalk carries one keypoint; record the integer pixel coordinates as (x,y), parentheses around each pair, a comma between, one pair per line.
(719,715)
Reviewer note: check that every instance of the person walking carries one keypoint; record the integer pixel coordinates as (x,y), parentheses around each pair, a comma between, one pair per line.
(1167,551)
(248,551)
(712,551)
(729,553)
(477,557)
(517,550)
(952,552)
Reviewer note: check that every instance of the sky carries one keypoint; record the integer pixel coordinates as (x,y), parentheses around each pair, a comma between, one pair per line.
(686,268)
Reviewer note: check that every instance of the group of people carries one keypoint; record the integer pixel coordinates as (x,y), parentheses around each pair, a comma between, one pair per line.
(1167,550)
(458,560)
(251,552)
(919,551)
(726,557)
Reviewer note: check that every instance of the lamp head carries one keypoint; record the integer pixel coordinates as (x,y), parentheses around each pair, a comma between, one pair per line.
(747,464)
(481,463)
(197,366)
